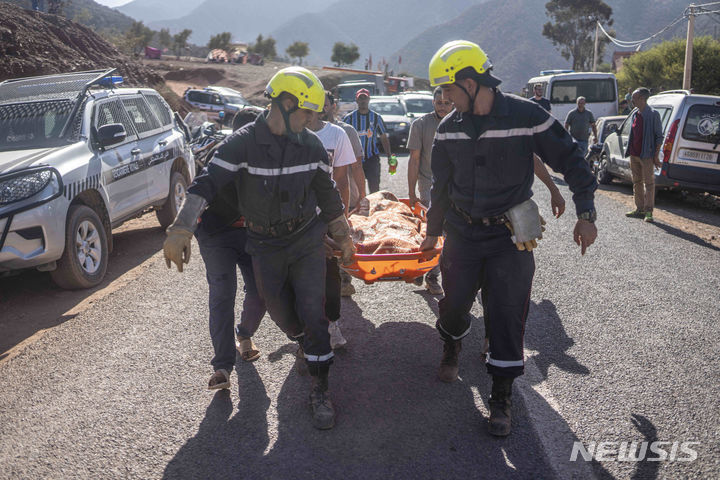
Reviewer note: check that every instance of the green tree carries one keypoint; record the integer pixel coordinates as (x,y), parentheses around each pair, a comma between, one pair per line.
(344,54)
(164,38)
(138,36)
(221,41)
(661,67)
(572,29)
(298,50)
(180,41)
(264,47)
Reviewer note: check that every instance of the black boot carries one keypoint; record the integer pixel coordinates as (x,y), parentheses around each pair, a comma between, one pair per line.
(500,405)
(323,412)
(449,364)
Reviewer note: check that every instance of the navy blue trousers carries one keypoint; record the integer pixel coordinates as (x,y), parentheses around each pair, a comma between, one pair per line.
(485,257)
(223,252)
(292,283)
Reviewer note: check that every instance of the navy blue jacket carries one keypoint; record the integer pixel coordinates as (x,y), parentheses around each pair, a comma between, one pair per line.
(484,164)
(277,179)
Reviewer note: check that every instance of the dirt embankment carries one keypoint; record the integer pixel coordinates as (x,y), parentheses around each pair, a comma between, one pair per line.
(35,43)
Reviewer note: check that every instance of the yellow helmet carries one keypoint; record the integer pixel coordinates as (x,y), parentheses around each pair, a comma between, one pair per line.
(301,83)
(455,56)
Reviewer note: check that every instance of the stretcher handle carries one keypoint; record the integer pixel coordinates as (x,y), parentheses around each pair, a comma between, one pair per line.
(424,255)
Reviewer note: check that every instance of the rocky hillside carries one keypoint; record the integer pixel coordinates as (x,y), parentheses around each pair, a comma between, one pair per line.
(90,14)
(510,31)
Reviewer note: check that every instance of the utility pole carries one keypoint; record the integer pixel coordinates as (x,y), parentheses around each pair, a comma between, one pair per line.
(595,56)
(687,75)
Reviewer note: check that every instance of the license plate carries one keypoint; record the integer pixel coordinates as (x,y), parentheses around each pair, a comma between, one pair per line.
(697,155)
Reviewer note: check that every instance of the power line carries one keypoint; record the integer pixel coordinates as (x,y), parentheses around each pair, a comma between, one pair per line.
(639,43)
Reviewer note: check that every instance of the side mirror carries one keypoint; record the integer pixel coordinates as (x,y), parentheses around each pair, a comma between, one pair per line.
(111,134)
(411,115)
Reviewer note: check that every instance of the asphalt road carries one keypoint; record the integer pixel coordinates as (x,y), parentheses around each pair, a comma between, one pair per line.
(620,347)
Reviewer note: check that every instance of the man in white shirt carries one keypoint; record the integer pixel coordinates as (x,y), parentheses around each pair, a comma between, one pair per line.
(341,155)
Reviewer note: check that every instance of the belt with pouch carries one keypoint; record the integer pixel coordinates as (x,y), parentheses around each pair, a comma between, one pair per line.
(486,221)
(282,229)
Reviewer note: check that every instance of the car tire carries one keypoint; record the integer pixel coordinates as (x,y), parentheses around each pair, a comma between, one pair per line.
(178,189)
(601,173)
(84,261)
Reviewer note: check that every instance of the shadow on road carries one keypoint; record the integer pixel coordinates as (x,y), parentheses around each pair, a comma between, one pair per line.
(226,444)
(685,236)
(30,302)
(551,342)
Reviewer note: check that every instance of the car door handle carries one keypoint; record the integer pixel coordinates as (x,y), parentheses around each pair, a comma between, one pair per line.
(135,151)
(162,143)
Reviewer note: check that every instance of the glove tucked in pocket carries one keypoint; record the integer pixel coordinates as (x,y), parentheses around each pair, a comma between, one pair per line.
(526,225)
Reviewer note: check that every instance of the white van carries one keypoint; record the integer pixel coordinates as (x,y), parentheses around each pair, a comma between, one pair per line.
(563,87)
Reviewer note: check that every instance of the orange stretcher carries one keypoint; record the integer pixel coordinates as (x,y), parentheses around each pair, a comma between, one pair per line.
(375,267)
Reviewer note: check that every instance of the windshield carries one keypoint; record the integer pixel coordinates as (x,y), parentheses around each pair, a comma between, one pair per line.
(33,125)
(419,105)
(235,100)
(594,90)
(703,124)
(387,108)
(347,93)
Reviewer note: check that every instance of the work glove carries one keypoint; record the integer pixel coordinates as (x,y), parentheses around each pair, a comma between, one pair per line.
(177,244)
(339,230)
(525,224)
(177,247)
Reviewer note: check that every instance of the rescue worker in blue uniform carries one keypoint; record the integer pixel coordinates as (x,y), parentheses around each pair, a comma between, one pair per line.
(281,173)
(482,164)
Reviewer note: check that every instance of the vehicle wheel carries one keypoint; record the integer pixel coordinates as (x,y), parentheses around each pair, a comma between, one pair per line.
(178,189)
(603,176)
(84,260)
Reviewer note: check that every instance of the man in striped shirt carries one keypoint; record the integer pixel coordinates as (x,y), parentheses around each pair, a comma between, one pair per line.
(370,127)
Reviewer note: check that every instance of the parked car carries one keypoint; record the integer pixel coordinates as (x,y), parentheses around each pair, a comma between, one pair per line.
(690,154)
(78,157)
(215,99)
(605,126)
(395,118)
(416,104)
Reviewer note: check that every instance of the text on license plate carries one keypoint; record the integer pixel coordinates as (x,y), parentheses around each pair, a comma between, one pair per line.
(697,155)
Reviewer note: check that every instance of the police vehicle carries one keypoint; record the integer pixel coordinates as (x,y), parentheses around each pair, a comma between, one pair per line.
(78,157)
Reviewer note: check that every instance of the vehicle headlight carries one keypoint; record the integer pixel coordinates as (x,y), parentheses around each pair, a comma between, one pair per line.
(402,125)
(18,187)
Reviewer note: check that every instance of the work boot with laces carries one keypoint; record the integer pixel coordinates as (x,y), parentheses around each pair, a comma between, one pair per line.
(322,408)
(500,405)
(449,364)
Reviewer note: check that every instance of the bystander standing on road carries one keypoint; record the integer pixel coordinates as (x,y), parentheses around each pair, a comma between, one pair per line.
(539,99)
(356,176)
(420,141)
(221,236)
(482,163)
(643,148)
(624,108)
(282,174)
(340,151)
(370,128)
(578,122)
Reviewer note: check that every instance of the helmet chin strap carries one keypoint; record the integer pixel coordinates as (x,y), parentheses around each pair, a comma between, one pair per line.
(471,97)
(286,117)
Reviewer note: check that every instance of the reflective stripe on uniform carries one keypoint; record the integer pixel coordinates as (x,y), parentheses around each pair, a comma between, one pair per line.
(504,363)
(519,132)
(319,358)
(462,335)
(452,136)
(512,132)
(269,172)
